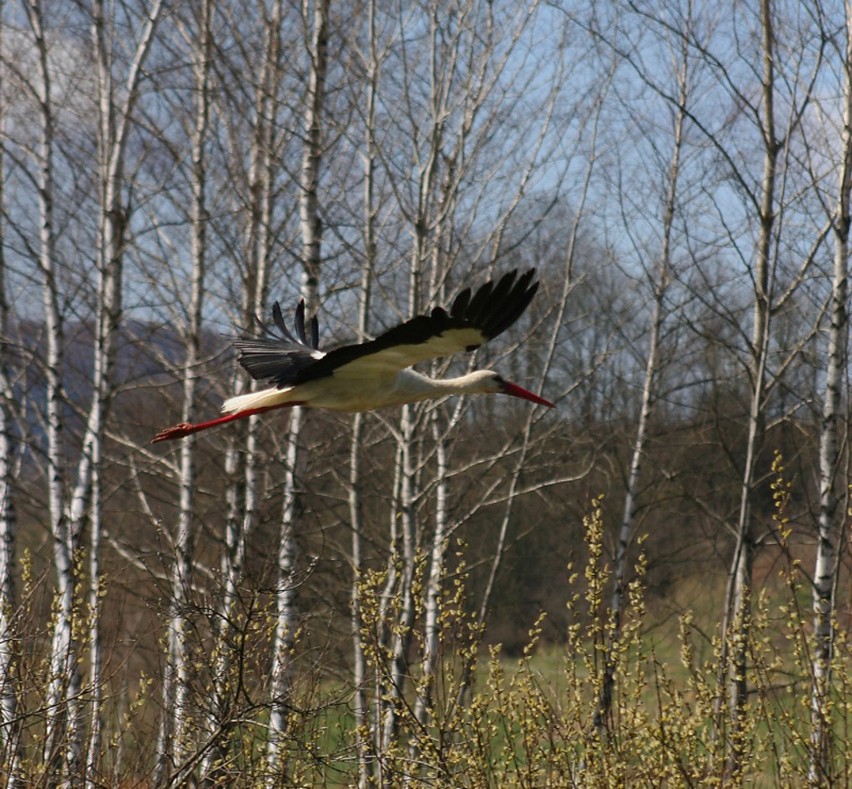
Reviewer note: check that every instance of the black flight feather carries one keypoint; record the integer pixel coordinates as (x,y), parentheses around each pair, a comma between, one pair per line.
(282,356)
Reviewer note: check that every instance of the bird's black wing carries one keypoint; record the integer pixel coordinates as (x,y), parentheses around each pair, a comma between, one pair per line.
(473,318)
(280,358)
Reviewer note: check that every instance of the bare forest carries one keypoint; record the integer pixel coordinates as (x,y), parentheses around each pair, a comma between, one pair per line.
(647,585)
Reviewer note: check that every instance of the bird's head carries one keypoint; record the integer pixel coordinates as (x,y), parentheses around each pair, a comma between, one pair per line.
(493,383)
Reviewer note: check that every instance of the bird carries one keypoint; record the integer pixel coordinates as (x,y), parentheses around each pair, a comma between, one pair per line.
(374,374)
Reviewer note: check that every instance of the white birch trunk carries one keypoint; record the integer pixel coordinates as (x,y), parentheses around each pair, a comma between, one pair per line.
(114,127)
(400,583)
(95,658)
(61,640)
(737,615)
(384,623)
(830,497)
(311,229)
(625,534)
(394,685)
(242,465)
(9,727)
(172,742)
(423,706)
(285,597)
(114,123)
(262,178)
(285,622)
(424,700)
(359,663)
(172,739)
(398,598)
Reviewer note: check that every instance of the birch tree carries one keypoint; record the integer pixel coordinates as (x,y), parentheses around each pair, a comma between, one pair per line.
(172,742)
(650,384)
(241,458)
(425,163)
(55,60)
(739,597)
(9,689)
(115,119)
(737,612)
(317,28)
(269,154)
(63,678)
(372,59)
(831,438)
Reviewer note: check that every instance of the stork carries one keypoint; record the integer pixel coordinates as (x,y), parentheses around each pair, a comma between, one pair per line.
(374,374)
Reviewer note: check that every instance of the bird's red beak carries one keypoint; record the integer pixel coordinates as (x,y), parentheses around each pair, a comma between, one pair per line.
(518,391)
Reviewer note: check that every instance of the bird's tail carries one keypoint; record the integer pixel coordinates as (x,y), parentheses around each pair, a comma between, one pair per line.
(248,402)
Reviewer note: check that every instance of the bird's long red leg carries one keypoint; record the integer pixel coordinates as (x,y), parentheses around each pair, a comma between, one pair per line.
(185,429)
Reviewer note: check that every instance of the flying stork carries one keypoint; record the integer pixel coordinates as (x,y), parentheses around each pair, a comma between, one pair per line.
(374,374)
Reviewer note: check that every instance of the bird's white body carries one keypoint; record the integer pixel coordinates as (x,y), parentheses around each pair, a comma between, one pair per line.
(351,393)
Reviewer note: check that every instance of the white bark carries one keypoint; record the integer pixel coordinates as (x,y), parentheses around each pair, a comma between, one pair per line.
(434,583)
(401,563)
(395,681)
(830,467)
(9,726)
(399,586)
(61,667)
(359,662)
(285,622)
(311,229)
(738,605)
(172,739)
(434,579)
(262,177)
(243,494)
(172,742)
(649,387)
(114,123)
(94,618)
(241,462)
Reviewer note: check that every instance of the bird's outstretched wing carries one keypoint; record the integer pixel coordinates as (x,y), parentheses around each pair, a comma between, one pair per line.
(280,358)
(473,318)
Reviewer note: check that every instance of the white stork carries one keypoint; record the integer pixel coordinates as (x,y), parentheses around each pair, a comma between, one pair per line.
(374,374)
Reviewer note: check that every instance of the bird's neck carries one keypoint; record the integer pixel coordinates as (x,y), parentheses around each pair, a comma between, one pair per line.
(463,384)
(418,386)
